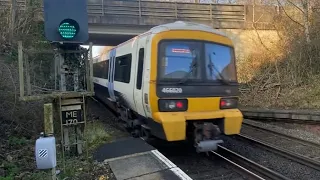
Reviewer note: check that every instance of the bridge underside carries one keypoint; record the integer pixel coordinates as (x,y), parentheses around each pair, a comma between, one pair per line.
(102,35)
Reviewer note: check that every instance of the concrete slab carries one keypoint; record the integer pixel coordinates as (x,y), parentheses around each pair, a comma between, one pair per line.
(133,158)
(162,175)
(300,117)
(315,118)
(281,114)
(148,165)
(121,148)
(136,166)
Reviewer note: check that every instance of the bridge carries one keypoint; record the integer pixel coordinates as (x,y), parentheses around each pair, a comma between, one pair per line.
(115,21)
(112,21)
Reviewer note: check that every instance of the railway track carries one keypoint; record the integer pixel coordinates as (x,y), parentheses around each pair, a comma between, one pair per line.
(256,171)
(304,152)
(299,140)
(230,166)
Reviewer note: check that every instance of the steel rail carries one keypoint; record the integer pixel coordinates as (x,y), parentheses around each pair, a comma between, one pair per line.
(244,164)
(283,152)
(292,138)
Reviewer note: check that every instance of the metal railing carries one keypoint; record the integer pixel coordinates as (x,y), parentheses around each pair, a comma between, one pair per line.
(154,12)
(168,10)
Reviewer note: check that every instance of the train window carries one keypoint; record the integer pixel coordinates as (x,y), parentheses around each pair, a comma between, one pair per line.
(100,69)
(140,68)
(123,68)
(176,58)
(219,59)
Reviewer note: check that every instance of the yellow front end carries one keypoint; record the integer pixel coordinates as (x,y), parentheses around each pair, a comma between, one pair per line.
(199,108)
(174,123)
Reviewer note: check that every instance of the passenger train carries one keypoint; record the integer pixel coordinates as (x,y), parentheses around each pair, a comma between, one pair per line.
(176,82)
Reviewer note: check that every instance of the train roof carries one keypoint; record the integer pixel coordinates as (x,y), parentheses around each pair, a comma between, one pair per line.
(185,25)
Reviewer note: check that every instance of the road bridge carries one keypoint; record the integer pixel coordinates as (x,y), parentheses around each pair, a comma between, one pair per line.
(114,21)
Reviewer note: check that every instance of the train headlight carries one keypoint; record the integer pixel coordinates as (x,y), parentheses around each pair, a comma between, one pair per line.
(172,105)
(228,103)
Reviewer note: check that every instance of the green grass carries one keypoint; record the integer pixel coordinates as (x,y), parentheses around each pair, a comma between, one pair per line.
(96,134)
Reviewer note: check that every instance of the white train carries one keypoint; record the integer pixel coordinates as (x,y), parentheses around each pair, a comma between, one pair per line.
(176,81)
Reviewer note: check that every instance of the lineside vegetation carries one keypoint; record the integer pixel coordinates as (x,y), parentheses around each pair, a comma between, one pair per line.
(287,74)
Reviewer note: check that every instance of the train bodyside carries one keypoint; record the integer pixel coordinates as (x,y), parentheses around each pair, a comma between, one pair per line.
(133,81)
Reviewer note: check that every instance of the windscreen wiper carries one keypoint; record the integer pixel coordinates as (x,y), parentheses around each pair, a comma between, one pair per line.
(221,79)
(186,77)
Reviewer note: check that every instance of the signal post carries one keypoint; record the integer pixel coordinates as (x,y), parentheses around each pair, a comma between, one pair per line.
(70,81)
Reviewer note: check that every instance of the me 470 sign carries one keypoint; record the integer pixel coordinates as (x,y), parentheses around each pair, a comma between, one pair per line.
(72,116)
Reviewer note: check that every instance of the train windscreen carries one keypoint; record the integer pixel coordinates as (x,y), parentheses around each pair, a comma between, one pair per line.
(197,61)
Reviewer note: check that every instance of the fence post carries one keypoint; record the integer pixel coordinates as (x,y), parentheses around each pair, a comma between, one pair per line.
(13,18)
(21,71)
(49,130)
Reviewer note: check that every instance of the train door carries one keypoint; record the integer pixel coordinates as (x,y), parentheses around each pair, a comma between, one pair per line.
(111,75)
(138,88)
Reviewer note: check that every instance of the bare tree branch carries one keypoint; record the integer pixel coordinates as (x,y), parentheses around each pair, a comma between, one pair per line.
(289,16)
(295,5)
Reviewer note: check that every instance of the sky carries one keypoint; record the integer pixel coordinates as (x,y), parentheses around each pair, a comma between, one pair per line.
(95,50)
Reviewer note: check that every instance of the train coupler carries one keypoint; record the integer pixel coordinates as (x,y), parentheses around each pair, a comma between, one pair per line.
(208,145)
(206,137)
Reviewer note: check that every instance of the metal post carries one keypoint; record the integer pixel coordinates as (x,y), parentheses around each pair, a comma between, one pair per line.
(140,13)
(176,10)
(48,129)
(91,67)
(62,74)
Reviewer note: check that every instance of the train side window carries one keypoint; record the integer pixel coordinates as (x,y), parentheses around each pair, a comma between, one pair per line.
(123,68)
(100,69)
(95,70)
(140,68)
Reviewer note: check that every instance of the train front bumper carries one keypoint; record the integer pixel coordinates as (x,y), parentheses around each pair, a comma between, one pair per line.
(174,123)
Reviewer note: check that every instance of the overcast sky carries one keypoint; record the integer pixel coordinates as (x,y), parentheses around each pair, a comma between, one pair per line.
(95,50)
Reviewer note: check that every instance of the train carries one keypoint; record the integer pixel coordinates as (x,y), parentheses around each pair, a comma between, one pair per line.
(176,82)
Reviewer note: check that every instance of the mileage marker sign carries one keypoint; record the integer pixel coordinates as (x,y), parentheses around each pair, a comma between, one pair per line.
(72,115)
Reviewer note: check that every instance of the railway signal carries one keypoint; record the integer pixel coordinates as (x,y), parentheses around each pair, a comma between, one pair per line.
(66,21)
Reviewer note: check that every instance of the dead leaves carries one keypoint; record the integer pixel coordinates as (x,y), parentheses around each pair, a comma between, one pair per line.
(103,177)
